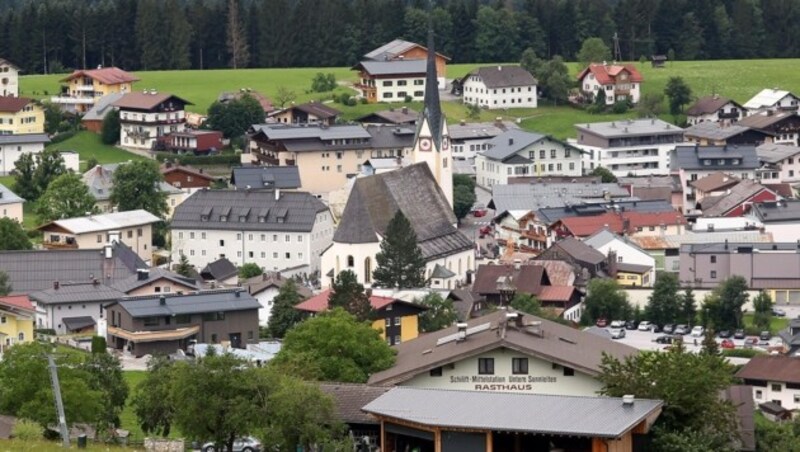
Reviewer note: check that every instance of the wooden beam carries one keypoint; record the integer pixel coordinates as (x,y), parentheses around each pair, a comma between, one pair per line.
(437,440)
(489,445)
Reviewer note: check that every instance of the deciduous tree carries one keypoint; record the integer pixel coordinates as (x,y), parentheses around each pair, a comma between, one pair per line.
(151,399)
(136,186)
(24,183)
(283,315)
(109,134)
(606,176)
(678,93)
(66,197)
(463,200)
(605,300)
(440,314)
(762,305)
(5,284)
(347,293)
(104,374)
(284,96)
(526,303)
(400,261)
(13,236)
(184,268)
(250,270)
(594,50)
(234,117)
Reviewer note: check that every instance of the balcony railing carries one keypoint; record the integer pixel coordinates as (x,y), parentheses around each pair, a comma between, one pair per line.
(268,159)
(60,245)
(72,100)
(84,87)
(730,115)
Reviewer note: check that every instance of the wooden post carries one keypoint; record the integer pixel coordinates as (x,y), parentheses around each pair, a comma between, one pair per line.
(489,444)
(437,439)
(383,444)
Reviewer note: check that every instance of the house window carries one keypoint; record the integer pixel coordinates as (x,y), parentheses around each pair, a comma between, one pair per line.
(350,261)
(151,321)
(552,153)
(541,154)
(519,366)
(213,316)
(213,338)
(398,321)
(713,259)
(760,394)
(398,339)
(387,83)
(485,366)
(436,372)
(713,274)
(222,243)
(99,236)
(388,322)
(569,371)
(288,255)
(776,387)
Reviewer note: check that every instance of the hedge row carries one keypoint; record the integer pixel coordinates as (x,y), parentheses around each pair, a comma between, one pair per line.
(190,159)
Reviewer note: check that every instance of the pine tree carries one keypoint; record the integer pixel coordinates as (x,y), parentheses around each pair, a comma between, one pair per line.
(710,346)
(400,261)
(663,304)
(688,308)
(184,268)
(5,285)
(283,315)
(348,294)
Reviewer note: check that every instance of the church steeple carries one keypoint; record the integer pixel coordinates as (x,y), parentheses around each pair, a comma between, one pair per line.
(432,109)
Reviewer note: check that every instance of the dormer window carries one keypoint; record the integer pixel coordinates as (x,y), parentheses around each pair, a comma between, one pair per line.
(707,162)
(223,218)
(735,162)
(281,219)
(262,219)
(242,219)
(203,217)
(721,161)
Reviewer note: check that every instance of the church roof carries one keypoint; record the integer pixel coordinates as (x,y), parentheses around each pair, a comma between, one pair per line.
(432,109)
(374,200)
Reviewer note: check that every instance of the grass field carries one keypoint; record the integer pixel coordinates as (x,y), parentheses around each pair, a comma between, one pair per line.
(88,144)
(128,417)
(54,446)
(777,323)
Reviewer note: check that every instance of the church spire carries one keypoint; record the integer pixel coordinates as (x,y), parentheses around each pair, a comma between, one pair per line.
(432,110)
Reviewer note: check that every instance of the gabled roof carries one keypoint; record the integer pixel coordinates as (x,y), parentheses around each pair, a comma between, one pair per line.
(604,237)
(555,342)
(280,132)
(558,195)
(258,284)
(393,50)
(168,168)
(10,104)
(391,116)
(478,130)
(694,157)
(528,279)
(776,153)
(707,105)
(762,121)
(349,398)
(638,269)
(579,250)
(17,302)
(146,101)
(714,182)
(441,272)
(77,292)
(509,143)
(319,302)
(152,275)
(710,130)
(194,303)
(103,222)
(254,210)
(606,74)
(8,197)
(266,177)
(741,396)
(544,414)
(615,222)
(787,210)
(102,107)
(390,137)
(317,109)
(78,323)
(767,97)
(734,197)
(105,75)
(662,242)
(219,270)
(550,215)
(775,368)
(5,62)
(100,181)
(374,200)
(503,76)
(393,67)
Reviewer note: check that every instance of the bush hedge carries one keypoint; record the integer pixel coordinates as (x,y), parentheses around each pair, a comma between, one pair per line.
(741,352)
(191,159)
(63,136)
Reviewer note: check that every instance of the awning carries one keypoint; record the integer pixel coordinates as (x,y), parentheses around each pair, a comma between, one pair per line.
(77,323)
(154,336)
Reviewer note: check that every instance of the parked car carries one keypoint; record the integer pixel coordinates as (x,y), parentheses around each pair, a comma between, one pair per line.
(601,323)
(681,329)
(479,210)
(645,325)
(617,333)
(668,328)
(484,231)
(663,339)
(724,334)
(765,336)
(778,312)
(246,444)
(617,324)
(749,342)
(631,325)
(727,343)
(698,331)
(738,334)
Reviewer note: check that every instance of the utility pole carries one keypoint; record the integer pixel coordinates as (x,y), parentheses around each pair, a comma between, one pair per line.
(62,419)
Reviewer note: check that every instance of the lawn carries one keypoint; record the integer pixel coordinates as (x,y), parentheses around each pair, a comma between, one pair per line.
(777,323)
(88,144)
(128,417)
(725,77)
(54,446)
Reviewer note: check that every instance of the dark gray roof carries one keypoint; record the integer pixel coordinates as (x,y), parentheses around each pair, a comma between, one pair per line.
(432,109)
(694,157)
(102,107)
(153,274)
(535,196)
(633,268)
(709,104)
(735,247)
(509,143)
(77,323)
(580,251)
(374,200)
(195,303)
(776,153)
(393,67)
(503,76)
(389,50)
(293,212)
(478,130)
(714,130)
(258,284)
(391,116)
(777,211)
(741,396)
(349,398)
(8,197)
(305,132)
(441,272)
(261,177)
(605,417)
(219,270)
(24,138)
(30,271)
(391,137)
(552,214)
(80,292)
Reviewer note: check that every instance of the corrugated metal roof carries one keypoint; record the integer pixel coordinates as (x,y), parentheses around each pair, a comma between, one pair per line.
(629,128)
(297,132)
(25,138)
(605,417)
(394,67)
(506,197)
(714,130)
(104,222)
(767,97)
(196,303)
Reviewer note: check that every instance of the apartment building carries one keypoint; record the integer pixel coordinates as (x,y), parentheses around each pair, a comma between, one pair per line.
(145,117)
(19,115)
(83,88)
(494,87)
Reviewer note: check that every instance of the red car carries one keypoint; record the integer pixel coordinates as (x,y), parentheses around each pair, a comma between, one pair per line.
(601,323)
(484,231)
(479,213)
(727,343)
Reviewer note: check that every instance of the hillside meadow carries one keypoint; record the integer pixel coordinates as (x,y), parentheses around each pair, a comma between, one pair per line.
(738,79)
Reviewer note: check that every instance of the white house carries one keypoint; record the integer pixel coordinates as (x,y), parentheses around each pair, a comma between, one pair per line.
(518,153)
(715,109)
(627,252)
(773,379)
(772,99)
(495,87)
(639,147)
(780,163)
(779,218)
(10,204)
(145,116)
(618,82)
(9,78)
(391,81)
(266,287)
(271,228)
(470,138)
(13,146)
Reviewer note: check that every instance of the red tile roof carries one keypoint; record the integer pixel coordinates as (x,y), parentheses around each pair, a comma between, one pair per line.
(106,75)
(13,104)
(319,302)
(606,74)
(586,226)
(17,301)
(556,293)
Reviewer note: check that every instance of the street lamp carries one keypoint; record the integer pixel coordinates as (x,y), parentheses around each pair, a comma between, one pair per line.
(507,290)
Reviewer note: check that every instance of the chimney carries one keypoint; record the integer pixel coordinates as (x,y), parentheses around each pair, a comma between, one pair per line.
(277,194)
(95,282)
(726,244)
(142,274)
(56,285)
(612,264)
(238,293)
(162,300)
(510,141)
(405,110)
(461,328)
(499,68)
(627,400)
(462,122)
(368,291)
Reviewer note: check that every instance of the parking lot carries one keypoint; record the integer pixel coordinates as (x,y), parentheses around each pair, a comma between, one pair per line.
(645,340)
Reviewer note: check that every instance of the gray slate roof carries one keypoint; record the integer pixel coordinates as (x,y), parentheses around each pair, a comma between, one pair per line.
(100,181)
(580,250)
(775,212)
(604,236)
(349,398)
(153,274)
(391,116)
(714,130)
(24,138)
(298,211)
(80,292)
(77,323)
(219,270)
(441,272)
(693,157)
(509,143)
(389,50)
(776,153)
(536,196)
(733,197)
(478,130)
(8,197)
(393,67)
(503,76)
(629,128)
(29,271)
(374,200)
(261,177)
(605,417)
(390,137)
(196,303)
(298,132)
(102,107)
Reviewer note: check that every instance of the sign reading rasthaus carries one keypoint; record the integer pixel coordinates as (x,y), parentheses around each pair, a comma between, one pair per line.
(501,383)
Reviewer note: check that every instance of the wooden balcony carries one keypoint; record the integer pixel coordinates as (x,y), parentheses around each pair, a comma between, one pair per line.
(268,159)
(60,245)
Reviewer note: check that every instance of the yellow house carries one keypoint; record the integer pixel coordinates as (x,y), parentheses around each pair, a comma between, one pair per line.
(17,316)
(84,87)
(19,115)
(633,275)
(397,320)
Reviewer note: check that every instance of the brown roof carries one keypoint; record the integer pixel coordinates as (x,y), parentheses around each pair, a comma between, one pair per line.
(13,104)
(258,284)
(556,293)
(145,101)
(169,168)
(526,279)
(317,109)
(580,251)
(709,104)
(606,74)
(559,273)
(106,75)
(782,189)
(741,396)
(715,182)
(553,342)
(653,193)
(771,368)
(633,268)
(762,121)
(349,398)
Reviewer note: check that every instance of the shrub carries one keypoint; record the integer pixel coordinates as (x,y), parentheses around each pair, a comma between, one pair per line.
(27,430)
(98,344)
(741,352)
(408,99)
(620,107)
(363,101)
(63,136)
(351,101)
(191,159)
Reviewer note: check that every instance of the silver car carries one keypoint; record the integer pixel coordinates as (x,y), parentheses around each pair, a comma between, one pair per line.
(617,333)
(245,444)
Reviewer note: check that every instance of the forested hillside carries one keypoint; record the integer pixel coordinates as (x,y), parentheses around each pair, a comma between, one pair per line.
(57,35)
